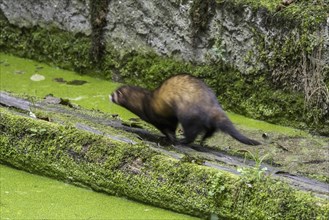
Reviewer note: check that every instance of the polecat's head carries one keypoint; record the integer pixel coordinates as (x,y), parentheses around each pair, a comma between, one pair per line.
(118,96)
(133,98)
(127,94)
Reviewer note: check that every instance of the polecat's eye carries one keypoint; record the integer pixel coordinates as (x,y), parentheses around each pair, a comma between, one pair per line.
(119,93)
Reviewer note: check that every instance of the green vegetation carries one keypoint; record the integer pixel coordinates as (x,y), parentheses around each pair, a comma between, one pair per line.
(297,9)
(28,196)
(139,173)
(237,195)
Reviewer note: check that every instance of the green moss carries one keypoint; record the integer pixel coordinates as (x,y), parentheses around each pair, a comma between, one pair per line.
(139,173)
(266,4)
(239,195)
(314,11)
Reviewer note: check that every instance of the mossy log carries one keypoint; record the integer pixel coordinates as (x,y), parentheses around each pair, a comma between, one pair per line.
(132,168)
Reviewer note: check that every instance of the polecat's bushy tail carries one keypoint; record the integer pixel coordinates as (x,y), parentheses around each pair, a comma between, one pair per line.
(227,127)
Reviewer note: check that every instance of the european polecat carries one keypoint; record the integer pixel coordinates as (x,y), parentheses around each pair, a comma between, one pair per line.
(181,99)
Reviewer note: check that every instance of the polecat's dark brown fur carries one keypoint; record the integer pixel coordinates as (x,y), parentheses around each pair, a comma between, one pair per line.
(179,99)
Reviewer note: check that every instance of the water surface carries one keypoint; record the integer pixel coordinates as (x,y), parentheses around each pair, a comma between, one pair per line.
(29,196)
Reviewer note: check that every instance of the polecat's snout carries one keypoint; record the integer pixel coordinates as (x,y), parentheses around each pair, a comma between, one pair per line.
(113,98)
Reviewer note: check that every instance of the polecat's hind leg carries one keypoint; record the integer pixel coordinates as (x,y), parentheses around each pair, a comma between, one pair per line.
(208,134)
(191,130)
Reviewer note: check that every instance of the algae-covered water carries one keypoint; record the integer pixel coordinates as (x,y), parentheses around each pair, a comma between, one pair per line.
(24,76)
(28,196)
